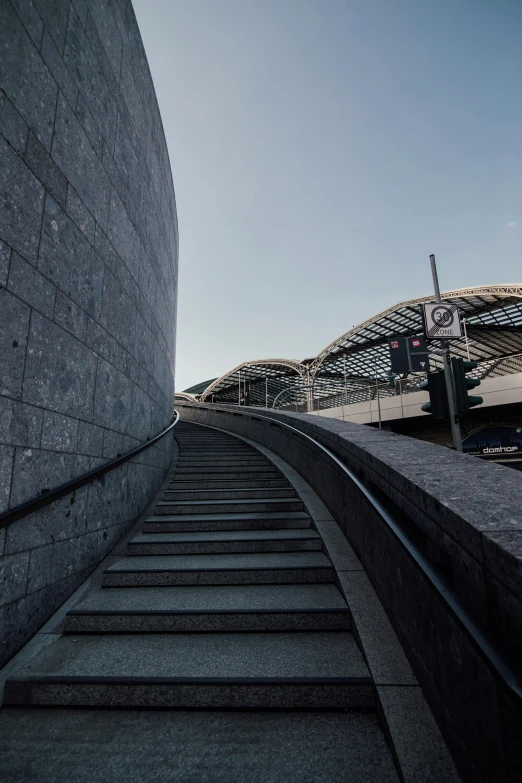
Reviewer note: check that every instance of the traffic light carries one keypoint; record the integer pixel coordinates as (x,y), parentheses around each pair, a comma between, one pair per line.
(465,401)
(435,383)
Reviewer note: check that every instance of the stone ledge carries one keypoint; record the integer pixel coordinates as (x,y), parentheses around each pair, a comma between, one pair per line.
(446,501)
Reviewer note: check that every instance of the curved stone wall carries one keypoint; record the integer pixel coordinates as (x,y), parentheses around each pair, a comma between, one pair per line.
(88,286)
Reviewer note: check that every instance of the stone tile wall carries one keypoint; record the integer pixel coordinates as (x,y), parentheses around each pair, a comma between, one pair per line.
(464,515)
(88,287)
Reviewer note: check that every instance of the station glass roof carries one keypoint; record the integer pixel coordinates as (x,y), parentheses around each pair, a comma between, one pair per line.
(350,368)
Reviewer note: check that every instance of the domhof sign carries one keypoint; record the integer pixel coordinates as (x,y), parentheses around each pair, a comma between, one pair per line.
(494,442)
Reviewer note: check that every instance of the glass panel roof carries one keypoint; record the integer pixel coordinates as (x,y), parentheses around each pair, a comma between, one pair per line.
(355,362)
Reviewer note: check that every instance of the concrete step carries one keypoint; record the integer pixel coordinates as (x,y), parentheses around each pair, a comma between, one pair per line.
(178,523)
(241,541)
(229,494)
(255,483)
(226,506)
(216,609)
(219,670)
(264,568)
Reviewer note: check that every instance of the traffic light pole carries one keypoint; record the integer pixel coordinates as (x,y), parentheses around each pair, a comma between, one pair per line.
(450,388)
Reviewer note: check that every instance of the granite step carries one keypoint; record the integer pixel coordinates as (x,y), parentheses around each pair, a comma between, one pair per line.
(178,523)
(263,568)
(217,446)
(203,609)
(220,483)
(216,441)
(229,494)
(225,448)
(228,475)
(230,460)
(225,456)
(241,541)
(211,670)
(204,451)
(193,432)
(236,469)
(231,464)
(225,506)
(204,746)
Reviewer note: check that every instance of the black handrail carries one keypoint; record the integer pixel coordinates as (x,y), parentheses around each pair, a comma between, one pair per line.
(30,506)
(487,646)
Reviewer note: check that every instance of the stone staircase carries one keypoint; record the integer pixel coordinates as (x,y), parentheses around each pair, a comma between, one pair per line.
(224,599)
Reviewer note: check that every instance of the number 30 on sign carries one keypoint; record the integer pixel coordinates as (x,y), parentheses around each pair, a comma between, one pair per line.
(441,321)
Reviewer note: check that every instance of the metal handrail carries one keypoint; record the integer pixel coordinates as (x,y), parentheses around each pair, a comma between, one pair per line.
(486,645)
(30,506)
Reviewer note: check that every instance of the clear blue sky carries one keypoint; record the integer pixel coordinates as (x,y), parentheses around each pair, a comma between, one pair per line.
(321,150)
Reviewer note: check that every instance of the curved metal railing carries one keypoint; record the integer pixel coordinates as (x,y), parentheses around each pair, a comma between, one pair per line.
(30,506)
(488,647)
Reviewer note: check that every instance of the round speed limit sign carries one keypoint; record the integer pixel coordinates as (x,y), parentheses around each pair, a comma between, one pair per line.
(442,321)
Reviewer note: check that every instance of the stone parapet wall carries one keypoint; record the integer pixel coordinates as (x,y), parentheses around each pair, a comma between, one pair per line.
(88,290)
(464,516)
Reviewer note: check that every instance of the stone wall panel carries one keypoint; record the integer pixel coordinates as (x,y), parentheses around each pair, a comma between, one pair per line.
(25,78)
(30,18)
(80,215)
(59,433)
(70,317)
(55,14)
(76,157)
(62,240)
(60,371)
(13,343)
(5,260)
(21,205)
(113,398)
(59,69)
(20,424)
(6,469)
(12,126)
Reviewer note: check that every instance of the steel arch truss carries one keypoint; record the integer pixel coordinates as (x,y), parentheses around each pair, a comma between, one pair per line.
(347,369)
(352,367)
(185,396)
(259,382)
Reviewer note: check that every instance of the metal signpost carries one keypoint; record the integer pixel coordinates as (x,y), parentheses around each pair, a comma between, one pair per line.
(378,398)
(442,321)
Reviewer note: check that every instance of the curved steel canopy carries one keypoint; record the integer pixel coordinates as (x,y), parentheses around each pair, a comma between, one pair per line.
(185,396)
(257,382)
(353,362)
(404,318)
